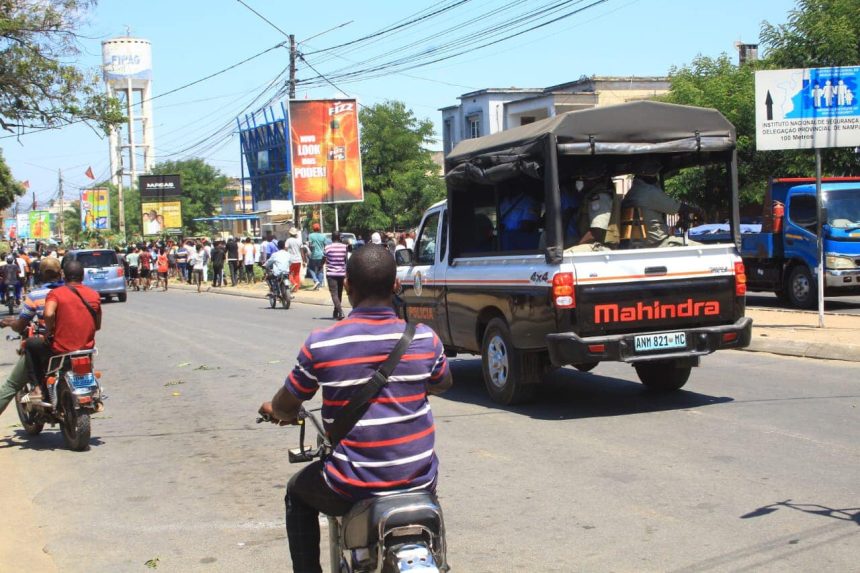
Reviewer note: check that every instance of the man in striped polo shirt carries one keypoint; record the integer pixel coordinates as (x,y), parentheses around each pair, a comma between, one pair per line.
(33,308)
(335,271)
(391,448)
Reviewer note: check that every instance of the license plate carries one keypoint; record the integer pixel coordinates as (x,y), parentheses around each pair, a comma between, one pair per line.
(651,342)
(99,275)
(83,380)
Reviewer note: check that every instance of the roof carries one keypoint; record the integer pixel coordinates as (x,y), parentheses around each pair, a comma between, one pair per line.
(636,127)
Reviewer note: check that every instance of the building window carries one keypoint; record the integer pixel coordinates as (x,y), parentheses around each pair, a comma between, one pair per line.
(473,126)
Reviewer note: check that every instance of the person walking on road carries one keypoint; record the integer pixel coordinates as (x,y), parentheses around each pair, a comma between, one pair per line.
(316,242)
(162,265)
(335,264)
(218,255)
(248,260)
(133,259)
(233,260)
(198,262)
(293,246)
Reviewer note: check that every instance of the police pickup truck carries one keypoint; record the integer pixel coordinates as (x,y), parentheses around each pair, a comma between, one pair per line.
(529,304)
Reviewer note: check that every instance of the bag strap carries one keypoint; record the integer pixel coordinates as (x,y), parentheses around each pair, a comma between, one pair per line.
(86,304)
(359,403)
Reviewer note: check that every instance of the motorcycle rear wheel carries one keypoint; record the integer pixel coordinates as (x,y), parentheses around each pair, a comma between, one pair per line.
(28,419)
(76,422)
(285,296)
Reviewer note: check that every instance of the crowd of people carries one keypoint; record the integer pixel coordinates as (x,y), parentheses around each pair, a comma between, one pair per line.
(235,261)
(20,269)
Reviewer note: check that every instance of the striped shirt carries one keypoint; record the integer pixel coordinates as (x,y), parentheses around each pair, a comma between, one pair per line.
(34,302)
(391,448)
(335,259)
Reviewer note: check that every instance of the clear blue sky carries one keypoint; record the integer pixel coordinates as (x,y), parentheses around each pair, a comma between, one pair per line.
(193,38)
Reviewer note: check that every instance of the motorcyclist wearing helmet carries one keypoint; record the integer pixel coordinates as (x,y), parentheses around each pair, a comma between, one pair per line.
(10,272)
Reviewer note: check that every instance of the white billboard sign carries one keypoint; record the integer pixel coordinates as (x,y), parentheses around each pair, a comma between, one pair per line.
(807,108)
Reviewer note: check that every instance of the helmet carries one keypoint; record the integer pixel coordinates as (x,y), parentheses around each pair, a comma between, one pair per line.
(10,259)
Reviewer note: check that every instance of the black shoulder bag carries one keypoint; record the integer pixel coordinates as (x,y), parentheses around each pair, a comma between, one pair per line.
(359,403)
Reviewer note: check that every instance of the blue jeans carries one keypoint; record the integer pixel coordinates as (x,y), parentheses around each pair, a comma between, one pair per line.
(315,267)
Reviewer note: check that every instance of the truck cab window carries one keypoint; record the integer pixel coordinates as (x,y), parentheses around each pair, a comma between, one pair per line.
(474,222)
(425,247)
(802,211)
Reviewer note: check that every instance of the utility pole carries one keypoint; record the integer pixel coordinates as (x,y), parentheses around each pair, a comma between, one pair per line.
(120,202)
(293,55)
(62,207)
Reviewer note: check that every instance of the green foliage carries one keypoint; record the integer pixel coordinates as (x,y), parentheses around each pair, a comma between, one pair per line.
(202,187)
(38,89)
(400,178)
(10,189)
(818,33)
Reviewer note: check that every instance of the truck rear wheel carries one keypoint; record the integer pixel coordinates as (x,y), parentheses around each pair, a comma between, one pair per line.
(663,375)
(510,375)
(801,288)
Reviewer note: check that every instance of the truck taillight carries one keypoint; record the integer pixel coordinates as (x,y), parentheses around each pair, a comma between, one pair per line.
(740,279)
(120,271)
(563,295)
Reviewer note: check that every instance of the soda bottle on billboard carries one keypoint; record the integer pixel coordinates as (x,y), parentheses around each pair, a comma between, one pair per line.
(336,162)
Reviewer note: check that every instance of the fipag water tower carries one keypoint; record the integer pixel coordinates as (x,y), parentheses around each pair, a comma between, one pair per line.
(127,66)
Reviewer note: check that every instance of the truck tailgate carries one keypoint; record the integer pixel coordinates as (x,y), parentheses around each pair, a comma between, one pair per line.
(644,290)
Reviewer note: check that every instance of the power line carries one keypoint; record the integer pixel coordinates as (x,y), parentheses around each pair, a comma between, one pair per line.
(266,20)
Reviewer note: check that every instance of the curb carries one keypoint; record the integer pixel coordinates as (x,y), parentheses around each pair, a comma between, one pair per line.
(246,294)
(816,350)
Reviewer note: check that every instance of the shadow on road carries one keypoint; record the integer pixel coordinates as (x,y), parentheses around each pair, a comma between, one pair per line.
(847,514)
(570,394)
(46,441)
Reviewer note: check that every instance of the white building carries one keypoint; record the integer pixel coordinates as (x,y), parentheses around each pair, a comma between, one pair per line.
(491,110)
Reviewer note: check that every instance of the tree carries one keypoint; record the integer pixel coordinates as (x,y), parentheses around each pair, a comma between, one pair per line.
(202,188)
(400,178)
(10,189)
(818,33)
(38,88)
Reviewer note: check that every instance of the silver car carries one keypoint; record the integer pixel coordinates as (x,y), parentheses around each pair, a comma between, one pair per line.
(102,271)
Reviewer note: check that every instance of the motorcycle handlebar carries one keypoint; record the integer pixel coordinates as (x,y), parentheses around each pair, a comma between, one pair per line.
(304,453)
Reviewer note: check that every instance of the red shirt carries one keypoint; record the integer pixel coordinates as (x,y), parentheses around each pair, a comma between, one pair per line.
(74,328)
(161,261)
(145,259)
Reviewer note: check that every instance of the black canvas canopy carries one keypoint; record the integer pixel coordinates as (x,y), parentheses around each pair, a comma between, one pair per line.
(611,140)
(642,127)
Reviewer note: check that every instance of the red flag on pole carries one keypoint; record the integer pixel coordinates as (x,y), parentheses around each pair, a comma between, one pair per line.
(25,184)
(89,173)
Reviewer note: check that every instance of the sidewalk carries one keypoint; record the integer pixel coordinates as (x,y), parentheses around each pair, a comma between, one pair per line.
(778,331)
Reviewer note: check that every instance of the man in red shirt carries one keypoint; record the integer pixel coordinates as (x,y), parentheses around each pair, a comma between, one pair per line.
(145,266)
(73,314)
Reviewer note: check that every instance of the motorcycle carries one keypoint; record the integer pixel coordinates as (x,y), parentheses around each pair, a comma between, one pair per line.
(10,298)
(74,394)
(279,290)
(387,534)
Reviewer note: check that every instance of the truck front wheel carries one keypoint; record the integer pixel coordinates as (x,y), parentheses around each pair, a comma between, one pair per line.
(663,375)
(510,375)
(801,288)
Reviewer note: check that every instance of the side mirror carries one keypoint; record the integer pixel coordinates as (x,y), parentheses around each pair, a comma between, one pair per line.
(403,257)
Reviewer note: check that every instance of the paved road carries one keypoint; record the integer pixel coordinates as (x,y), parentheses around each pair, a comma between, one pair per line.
(753,467)
(845,305)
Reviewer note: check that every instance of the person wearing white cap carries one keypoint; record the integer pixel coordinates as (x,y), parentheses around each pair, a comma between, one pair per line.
(293,247)
(376,238)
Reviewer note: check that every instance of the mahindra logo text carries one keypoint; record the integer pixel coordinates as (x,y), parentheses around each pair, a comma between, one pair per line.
(655,311)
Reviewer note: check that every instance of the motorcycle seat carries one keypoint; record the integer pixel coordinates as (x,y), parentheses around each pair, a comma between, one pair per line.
(360,525)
